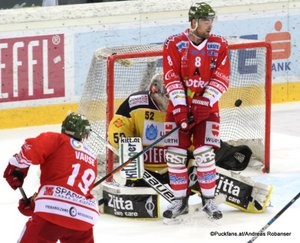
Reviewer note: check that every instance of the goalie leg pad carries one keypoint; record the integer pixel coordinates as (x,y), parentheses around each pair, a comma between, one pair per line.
(242,192)
(261,196)
(130,202)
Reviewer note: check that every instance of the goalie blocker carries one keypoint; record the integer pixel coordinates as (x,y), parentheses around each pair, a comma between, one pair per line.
(239,191)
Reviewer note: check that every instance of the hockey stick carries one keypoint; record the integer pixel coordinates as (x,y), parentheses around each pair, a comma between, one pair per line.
(275,217)
(24,196)
(153,182)
(136,156)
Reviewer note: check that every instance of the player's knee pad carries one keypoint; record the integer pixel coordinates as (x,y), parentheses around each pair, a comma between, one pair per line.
(176,157)
(204,156)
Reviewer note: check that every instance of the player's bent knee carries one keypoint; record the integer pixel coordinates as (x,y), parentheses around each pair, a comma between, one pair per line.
(176,157)
(204,156)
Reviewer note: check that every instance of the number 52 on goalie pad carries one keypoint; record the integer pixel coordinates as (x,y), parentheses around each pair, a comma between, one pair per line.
(129,147)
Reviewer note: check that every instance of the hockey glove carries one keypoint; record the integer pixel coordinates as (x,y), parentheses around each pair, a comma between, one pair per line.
(26,207)
(200,109)
(180,114)
(15,175)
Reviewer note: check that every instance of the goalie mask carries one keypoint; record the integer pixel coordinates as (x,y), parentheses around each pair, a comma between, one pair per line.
(158,92)
(201,11)
(76,126)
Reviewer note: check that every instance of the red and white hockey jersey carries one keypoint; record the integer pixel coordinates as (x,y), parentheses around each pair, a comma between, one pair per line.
(191,70)
(68,172)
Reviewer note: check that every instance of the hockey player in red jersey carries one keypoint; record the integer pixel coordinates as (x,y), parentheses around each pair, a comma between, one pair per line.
(64,208)
(196,74)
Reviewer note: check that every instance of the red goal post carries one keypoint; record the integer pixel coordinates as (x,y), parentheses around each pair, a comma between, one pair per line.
(116,72)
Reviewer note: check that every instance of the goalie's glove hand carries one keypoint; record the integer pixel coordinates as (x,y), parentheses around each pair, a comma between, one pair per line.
(15,175)
(200,109)
(180,114)
(26,207)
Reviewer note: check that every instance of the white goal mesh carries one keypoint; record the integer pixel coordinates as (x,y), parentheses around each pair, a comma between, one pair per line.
(117,72)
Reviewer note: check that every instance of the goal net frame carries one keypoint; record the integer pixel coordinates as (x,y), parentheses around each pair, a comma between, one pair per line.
(112,57)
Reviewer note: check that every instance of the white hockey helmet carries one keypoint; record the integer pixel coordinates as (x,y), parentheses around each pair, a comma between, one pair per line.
(158,91)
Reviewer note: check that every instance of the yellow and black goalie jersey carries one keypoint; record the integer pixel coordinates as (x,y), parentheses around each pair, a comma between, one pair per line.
(138,116)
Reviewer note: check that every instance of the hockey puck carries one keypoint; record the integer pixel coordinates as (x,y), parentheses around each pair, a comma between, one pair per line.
(238,102)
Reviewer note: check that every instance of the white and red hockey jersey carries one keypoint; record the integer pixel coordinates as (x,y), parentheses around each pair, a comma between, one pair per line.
(68,172)
(190,70)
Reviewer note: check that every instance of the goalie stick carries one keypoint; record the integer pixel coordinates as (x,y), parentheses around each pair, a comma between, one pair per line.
(275,217)
(136,156)
(154,183)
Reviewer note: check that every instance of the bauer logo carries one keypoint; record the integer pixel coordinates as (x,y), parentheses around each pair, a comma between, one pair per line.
(32,68)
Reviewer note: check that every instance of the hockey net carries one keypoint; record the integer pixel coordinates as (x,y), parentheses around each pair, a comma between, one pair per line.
(117,72)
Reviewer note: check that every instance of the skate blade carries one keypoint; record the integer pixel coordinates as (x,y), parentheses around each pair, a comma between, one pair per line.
(173,221)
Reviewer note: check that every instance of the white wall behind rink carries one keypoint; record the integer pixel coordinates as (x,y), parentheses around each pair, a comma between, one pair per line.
(83,28)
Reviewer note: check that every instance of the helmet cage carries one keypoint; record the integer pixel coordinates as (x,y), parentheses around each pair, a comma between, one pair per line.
(158,91)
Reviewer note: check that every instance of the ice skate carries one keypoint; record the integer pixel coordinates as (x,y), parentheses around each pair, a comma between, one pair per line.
(178,207)
(211,208)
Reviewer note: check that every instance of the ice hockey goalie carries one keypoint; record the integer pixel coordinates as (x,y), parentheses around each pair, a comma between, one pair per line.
(142,115)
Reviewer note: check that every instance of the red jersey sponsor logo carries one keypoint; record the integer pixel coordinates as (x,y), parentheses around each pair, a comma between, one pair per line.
(196,83)
(171,75)
(215,130)
(213,46)
(49,190)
